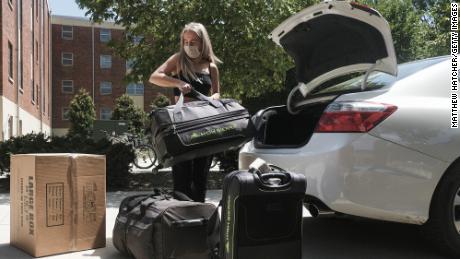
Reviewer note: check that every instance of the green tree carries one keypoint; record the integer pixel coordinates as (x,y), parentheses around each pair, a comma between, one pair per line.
(420,28)
(405,23)
(253,64)
(81,114)
(435,35)
(238,29)
(126,110)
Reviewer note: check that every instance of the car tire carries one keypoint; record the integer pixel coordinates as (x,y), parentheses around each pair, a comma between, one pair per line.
(441,228)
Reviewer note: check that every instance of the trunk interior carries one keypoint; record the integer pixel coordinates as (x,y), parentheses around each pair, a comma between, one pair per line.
(277,128)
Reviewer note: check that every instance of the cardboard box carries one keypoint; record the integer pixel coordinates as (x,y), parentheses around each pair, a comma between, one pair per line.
(57,202)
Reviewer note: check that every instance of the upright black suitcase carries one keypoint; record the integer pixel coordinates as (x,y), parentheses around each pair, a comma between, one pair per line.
(262,214)
(158,226)
(186,131)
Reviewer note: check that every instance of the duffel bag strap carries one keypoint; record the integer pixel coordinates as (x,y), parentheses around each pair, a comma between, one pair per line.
(200,96)
(136,200)
(181,196)
(158,195)
(177,108)
(213,237)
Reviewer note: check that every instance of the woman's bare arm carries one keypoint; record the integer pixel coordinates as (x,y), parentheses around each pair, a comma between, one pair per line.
(161,76)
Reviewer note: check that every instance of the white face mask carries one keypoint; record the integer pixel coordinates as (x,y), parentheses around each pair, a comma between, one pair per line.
(192,51)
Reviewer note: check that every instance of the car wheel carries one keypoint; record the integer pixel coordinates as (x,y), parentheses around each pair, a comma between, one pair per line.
(443,226)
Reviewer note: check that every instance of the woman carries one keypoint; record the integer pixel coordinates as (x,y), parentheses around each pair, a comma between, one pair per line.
(194,66)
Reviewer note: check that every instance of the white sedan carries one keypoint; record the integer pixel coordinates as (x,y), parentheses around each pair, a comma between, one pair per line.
(379,145)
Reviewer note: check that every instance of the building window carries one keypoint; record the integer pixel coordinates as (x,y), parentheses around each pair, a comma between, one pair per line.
(67,86)
(137,39)
(129,64)
(10,126)
(65,113)
(36,51)
(106,113)
(36,8)
(105,88)
(105,35)
(31,16)
(10,60)
(33,92)
(43,100)
(67,32)
(31,65)
(135,89)
(106,61)
(67,59)
(20,128)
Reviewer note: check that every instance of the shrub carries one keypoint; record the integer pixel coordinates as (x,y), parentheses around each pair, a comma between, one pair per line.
(30,143)
(126,110)
(160,101)
(82,114)
(228,161)
(118,156)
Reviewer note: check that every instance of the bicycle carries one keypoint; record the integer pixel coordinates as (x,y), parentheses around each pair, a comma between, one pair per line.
(215,161)
(144,155)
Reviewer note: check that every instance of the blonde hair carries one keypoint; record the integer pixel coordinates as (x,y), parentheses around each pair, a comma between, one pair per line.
(185,65)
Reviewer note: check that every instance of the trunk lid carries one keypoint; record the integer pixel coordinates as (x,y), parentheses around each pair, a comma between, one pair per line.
(333,39)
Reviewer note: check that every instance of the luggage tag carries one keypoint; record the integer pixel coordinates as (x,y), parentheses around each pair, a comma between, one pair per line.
(267,177)
(259,165)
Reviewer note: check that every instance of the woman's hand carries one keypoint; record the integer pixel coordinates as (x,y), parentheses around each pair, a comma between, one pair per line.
(185,88)
(215,96)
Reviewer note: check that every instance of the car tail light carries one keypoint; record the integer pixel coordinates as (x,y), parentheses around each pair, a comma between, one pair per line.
(353,116)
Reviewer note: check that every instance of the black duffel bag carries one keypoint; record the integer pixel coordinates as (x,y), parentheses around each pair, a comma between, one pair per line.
(160,226)
(186,131)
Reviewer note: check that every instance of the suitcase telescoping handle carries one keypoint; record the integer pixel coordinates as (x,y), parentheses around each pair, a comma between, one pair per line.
(267,177)
(200,96)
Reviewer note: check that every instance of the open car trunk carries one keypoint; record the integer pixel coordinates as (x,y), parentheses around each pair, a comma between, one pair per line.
(336,38)
(277,128)
(326,41)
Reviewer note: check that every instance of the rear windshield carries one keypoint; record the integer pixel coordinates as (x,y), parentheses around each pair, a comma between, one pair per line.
(377,80)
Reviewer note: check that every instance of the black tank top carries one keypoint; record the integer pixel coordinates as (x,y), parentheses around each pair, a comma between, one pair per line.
(202,84)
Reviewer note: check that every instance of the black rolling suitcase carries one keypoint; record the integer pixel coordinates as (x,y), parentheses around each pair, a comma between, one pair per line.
(186,131)
(261,215)
(158,226)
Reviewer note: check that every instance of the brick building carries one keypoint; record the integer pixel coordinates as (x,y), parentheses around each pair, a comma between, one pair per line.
(82,59)
(25,89)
